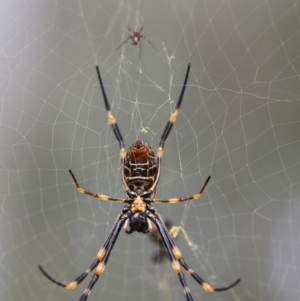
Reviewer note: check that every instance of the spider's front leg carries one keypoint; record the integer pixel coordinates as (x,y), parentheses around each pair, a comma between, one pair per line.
(168,129)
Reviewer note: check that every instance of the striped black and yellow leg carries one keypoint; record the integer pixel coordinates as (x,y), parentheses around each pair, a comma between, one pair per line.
(196,277)
(101,258)
(102,264)
(205,285)
(100,197)
(175,263)
(112,121)
(168,129)
(76,282)
(181,200)
(88,290)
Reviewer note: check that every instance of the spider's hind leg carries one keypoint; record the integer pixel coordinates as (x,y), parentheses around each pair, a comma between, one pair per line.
(196,277)
(112,121)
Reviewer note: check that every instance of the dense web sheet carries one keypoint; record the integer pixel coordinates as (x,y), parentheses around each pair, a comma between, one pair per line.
(239,122)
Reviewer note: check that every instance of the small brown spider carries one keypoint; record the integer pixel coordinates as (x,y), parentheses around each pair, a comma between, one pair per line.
(136,36)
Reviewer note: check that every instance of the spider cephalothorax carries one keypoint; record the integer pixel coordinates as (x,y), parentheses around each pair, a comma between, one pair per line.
(140,176)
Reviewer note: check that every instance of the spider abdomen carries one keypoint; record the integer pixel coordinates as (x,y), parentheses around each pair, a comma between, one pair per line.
(138,222)
(140,166)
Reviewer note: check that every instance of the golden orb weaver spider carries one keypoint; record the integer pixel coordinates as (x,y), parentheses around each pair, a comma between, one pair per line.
(140,176)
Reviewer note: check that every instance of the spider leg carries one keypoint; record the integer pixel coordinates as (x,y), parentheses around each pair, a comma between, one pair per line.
(168,129)
(99,263)
(101,197)
(205,285)
(112,121)
(196,277)
(140,50)
(149,42)
(125,41)
(181,200)
(102,264)
(73,284)
(174,261)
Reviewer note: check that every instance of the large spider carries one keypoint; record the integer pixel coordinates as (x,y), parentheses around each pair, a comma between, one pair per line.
(140,176)
(136,37)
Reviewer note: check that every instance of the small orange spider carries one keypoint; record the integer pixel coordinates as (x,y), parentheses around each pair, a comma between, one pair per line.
(136,36)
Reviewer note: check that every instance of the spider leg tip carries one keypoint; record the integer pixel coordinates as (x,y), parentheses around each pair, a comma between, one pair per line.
(207,180)
(42,270)
(228,287)
(238,280)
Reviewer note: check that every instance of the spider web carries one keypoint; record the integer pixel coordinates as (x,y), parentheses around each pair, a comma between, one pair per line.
(239,123)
